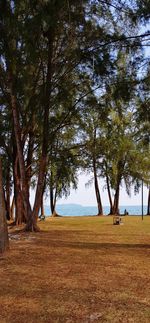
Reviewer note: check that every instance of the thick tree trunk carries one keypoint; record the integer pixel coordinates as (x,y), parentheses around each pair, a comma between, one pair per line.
(17,132)
(148,204)
(4,242)
(115,208)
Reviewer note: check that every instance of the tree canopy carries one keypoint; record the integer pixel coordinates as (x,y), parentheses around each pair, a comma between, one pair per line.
(74,94)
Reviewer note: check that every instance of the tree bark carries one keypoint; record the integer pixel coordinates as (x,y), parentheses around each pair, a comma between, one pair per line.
(97,191)
(53,202)
(98,197)
(53,197)
(4,241)
(29,158)
(8,215)
(148,204)
(109,192)
(120,167)
(19,209)
(17,132)
(12,208)
(115,208)
(42,207)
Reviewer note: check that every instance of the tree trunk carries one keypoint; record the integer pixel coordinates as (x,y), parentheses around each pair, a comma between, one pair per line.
(19,210)
(12,209)
(109,194)
(29,158)
(53,197)
(115,208)
(42,205)
(4,242)
(17,132)
(120,168)
(148,204)
(53,202)
(98,197)
(8,215)
(97,191)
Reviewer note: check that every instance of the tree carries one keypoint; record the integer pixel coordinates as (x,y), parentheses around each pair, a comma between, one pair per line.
(4,242)
(19,53)
(62,166)
(46,77)
(90,132)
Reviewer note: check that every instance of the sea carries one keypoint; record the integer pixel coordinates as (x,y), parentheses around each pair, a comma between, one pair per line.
(80,210)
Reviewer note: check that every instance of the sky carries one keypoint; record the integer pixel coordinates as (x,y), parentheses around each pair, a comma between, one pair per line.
(86,195)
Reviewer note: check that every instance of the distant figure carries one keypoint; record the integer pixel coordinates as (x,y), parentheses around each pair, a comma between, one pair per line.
(125,212)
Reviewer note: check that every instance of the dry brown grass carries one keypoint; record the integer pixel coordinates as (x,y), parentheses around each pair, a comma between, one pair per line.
(80,269)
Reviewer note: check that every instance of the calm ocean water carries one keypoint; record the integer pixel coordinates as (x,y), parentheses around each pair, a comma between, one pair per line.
(79,210)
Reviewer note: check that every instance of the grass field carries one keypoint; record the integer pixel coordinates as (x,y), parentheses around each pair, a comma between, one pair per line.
(79,269)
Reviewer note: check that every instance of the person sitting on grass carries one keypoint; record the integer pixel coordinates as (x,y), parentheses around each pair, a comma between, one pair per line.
(125,212)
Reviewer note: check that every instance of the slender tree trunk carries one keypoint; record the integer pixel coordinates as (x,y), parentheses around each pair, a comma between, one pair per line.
(120,168)
(12,209)
(148,204)
(19,209)
(29,158)
(97,191)
(42,207)
(51,200)
(53,197)
(54,213)
(42,198)
(98,197)
(115,209)
(8,215)
(109,194)
(4,242)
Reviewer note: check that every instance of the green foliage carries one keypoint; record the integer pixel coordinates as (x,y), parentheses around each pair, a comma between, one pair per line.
(97,91)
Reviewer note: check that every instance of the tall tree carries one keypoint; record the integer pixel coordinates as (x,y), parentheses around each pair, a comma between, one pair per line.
(4,242)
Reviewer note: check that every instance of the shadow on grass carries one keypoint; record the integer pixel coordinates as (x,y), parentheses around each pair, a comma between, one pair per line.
(94,245)
(55,238)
